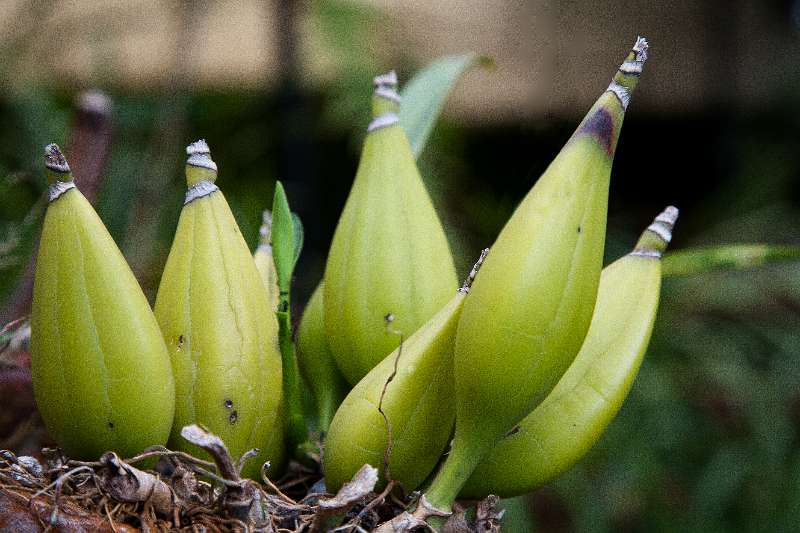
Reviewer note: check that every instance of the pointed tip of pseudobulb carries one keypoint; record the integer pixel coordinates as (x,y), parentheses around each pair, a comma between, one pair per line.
(388,79)
(627,76)
(658,235)
(604,121)
(474,272)
(200,146)
(201,171)
(385,98)
(640,48)
(669,216)
(59,175)
(199,156)
(637,57)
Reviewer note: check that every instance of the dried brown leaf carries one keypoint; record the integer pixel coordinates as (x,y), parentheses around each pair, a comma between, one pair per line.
(125,483)
(352,492)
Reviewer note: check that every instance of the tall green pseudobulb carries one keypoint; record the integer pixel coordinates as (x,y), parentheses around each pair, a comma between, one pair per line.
(389,255)
(530,308)
(219,327)
(101,373)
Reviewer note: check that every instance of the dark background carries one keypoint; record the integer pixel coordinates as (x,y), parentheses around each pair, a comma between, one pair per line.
(709,439)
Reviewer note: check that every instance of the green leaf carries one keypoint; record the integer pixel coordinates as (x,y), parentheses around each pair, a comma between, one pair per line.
(284,242)
(424,95)
(287,241)
(729,257)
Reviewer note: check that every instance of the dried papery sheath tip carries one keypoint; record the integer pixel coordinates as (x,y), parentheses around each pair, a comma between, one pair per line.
(387,93)
(265,231)
(658,235)
(386,86)
(57,188)
(474,272)
(622,93)
(664,223)
(627,76)
(383,121)
(55,160)
(198,147)
(200,155)
(59,174)
(633,65)
(199,190)
(201,171)
(201,161)
(386,80)
(640,47)
(669,216)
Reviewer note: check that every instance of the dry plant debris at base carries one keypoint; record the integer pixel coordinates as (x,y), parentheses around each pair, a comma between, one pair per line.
(185,493)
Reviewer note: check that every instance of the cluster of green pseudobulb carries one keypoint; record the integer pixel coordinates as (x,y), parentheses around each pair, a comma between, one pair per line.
(496,385)
(112,374)
(501,384)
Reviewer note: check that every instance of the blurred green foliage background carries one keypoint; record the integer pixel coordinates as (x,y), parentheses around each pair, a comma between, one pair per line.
(709,438)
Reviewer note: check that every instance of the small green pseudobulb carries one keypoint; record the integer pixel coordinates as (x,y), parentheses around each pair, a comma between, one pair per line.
(219,327)
(413,386)
(389,255)
(101,373)
(590,393)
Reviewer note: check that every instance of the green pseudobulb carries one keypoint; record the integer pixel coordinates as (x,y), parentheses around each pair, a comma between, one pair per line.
(590,393)
(101,373)
(529,310)
(418,404)
(389,255)
(220,328)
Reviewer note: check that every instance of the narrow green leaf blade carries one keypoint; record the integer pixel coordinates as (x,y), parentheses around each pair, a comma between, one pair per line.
(283,238)
(728,257)
(424,95)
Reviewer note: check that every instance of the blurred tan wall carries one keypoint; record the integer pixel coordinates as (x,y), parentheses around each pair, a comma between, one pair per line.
(551,57)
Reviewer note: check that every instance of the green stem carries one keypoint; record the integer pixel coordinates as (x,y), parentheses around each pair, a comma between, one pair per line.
(729,257)
(456,470)
(293,400)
